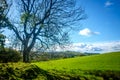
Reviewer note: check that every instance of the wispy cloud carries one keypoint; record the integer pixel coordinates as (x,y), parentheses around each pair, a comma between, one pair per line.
(87,32)
(97,47)
(108,3)
(100,47)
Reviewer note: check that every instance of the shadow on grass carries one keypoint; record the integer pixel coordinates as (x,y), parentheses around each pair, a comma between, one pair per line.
(107,75)
(7,72)
(33,72)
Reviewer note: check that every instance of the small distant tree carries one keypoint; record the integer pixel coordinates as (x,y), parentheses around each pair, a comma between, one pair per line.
(3,21)
(45,21)
(2,42)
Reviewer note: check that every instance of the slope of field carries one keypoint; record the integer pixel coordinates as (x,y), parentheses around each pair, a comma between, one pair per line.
(107,61)
(96,67)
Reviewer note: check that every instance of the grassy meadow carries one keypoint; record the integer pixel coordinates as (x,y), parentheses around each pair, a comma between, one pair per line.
(95,67)
(108,61)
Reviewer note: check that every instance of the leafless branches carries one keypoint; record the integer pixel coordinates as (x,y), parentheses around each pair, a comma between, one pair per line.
(46,21)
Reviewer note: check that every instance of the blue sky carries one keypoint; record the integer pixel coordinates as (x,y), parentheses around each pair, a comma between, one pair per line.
(101,27)
(100,32)
(103,17)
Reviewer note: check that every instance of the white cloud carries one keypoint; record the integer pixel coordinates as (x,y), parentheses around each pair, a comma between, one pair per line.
(108,3)
(88,32)
(100,47)
(7,41)
(97,47)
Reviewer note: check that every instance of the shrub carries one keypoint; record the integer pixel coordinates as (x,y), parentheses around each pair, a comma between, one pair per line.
(9,55)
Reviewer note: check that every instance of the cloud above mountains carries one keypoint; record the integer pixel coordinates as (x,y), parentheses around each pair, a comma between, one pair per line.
(87,32)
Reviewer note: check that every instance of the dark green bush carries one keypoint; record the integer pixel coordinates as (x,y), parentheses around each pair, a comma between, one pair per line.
(9,55)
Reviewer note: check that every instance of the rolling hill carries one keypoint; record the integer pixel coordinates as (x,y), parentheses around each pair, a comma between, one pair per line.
(106,61)
(95,67)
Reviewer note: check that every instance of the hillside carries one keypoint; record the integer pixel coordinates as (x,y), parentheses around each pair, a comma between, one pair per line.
(107,61)
(94,67)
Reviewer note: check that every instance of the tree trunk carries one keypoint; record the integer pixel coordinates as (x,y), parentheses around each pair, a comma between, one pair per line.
(27,50)
(26,57)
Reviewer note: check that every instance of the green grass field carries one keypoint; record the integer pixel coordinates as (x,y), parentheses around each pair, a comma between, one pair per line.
(95,67)
(107,61)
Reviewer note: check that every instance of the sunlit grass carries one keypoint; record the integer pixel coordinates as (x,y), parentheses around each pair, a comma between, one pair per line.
(108,61)
(95,67)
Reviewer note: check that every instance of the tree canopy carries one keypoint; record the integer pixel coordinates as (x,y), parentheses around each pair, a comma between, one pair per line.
(3,21)
(3,13)
(45,21)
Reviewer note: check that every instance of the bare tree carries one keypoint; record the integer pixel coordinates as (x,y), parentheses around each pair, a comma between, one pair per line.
(44,21)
